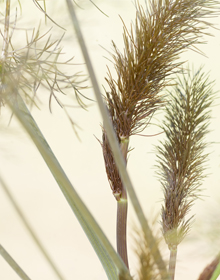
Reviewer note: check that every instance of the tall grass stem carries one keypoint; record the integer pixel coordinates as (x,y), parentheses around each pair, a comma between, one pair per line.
(120,162)
(172,262)
(122,209)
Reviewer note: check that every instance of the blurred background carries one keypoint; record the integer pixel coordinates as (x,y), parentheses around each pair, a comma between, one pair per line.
(35,189)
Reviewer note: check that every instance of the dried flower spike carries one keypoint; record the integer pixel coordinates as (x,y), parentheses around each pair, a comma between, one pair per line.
(181,155)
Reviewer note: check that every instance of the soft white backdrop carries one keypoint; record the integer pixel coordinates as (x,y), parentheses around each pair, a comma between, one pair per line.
(35,189)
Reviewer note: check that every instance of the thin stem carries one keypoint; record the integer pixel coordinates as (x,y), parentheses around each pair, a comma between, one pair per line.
(13,264)
(116,149)
(122,209)
(172,263)
(6,31)
(30,230)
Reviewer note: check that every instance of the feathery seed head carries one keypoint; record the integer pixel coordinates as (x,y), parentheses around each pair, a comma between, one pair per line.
(180,156)
(151,49)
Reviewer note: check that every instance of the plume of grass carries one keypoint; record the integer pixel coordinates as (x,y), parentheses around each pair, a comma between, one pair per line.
(160,35)
(181,155)
(151,49)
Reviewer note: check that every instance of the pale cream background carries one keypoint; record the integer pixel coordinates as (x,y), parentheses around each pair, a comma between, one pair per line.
(37,192)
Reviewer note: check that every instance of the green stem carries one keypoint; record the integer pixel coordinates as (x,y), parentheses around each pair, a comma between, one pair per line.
(172,262)
(120,162)
(122,206)
(13,264)
(122,209)
(30,230)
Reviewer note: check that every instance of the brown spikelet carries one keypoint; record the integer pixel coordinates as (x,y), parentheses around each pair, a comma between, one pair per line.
(111,168)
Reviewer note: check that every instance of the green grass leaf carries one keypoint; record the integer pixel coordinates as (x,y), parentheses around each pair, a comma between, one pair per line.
(106,253)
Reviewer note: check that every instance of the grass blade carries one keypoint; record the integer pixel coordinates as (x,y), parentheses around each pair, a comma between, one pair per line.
(13,264)
(106,253)
(30,230)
